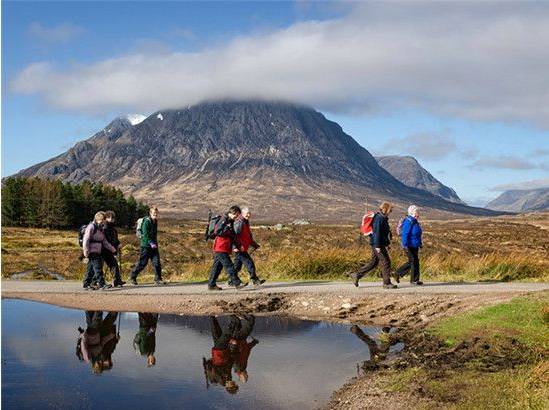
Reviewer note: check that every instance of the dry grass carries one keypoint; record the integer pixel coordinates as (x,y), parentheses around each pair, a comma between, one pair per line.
(507,248)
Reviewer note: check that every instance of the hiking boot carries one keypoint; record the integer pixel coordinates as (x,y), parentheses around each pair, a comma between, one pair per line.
(118,284)
(395,276)
(160,282)
(390,286)
(418,283)
(240,285)
(104,287)
(214,287)
(355,278)
(258,281)
(133,282)
(87,287)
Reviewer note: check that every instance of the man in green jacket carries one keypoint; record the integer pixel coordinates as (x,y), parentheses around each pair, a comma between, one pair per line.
(149,248)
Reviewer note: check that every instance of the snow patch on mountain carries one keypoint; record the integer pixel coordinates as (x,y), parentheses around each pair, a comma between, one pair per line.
(135,119)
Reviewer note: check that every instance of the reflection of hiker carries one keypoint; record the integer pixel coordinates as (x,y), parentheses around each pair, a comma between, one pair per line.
(112,237)
(372,345)
(93,243)
(242,348)
(380,240)
(218,368)
(224,243)
(149,248)
(144,341)
(411,232)
(245,240)
(96,344)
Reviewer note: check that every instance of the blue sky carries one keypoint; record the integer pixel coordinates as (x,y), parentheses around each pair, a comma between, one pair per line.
(476,123)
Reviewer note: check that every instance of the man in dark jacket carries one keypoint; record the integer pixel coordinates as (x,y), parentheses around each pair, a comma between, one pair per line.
(112,237)
(245,239)
(224,243)
(149,248)
(380,240)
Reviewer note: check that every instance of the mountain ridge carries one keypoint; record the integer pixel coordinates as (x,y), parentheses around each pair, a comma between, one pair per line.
(275,156)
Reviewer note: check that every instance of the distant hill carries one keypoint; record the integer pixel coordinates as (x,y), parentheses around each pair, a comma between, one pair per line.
(409,171)
(521,200)
(286,161)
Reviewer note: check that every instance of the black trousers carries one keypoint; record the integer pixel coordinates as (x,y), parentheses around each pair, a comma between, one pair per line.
(221,337)
(244,258)
(245,329)
(378,258)
(412,265)
(147,253)
(111,261)
(94,270)
(223,261)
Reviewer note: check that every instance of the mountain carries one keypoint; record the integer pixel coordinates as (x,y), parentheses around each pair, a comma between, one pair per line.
(284,160)
(519,200)
(408,171)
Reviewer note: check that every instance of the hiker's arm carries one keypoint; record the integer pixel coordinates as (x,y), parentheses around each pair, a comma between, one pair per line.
(405,232)
(107,245)
(376,233)
(86,240)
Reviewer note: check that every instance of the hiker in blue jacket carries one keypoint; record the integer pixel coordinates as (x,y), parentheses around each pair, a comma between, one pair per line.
(411,242)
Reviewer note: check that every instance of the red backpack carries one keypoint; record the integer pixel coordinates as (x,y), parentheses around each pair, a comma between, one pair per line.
(367,221)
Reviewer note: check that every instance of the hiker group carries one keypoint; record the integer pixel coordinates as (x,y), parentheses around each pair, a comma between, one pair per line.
(230,233)
(232,345)
(375,225)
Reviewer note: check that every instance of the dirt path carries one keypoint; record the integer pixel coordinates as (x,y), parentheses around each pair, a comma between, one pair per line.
(370,303)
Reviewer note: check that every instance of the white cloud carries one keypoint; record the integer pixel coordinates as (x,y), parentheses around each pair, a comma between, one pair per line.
(503,162)
(62,33)
(475,60)
(422,145)
(532,184)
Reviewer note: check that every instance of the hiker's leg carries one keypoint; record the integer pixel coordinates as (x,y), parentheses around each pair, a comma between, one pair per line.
(414,254)
(112,263)
(250,265)
(385,263)
(215,329)
(97,263)
(247,326)
(370,265)
(227,263)
(155,260)
(406,266)
(217,266)
(88,277)
(110,318)
(141,264)
(238,262)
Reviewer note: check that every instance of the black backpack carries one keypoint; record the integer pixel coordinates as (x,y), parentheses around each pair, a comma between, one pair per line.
(82,231)
(214,226)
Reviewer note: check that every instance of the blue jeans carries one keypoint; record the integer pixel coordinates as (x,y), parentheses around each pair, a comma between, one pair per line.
(223,260)
(94,271)
(245,258)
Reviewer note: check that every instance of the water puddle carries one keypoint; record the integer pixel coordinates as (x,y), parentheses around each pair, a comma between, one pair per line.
(64,358)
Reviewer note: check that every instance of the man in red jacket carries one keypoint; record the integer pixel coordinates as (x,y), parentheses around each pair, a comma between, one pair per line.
(224,243)
(245,239)
(243,348)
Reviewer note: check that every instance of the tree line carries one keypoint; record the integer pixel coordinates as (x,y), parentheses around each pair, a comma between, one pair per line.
(44,203)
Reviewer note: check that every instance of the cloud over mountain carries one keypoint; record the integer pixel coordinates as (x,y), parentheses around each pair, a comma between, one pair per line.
(483,61)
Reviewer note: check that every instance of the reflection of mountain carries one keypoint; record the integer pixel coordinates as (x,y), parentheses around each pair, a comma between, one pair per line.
(272,325)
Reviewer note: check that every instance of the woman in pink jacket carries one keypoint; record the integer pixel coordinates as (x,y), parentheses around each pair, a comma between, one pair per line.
(93,243)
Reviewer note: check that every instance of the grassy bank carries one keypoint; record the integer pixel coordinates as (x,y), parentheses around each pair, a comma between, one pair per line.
(474,249)
(503,363)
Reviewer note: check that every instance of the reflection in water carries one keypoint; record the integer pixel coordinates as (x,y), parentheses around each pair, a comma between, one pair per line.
(241,357)
(96,344)
(144,341)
